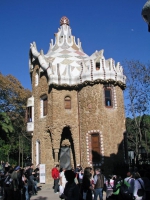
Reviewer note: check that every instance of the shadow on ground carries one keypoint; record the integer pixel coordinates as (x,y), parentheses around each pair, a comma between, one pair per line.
(40,198)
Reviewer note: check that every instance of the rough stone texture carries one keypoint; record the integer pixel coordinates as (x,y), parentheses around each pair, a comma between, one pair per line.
(88,113)
(110,121)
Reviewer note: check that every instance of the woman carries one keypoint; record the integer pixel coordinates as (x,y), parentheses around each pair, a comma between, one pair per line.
(138,184)
(63,181)
(87,186)
(71,191)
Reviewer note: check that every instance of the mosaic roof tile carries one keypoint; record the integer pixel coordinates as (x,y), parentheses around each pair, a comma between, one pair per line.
(66,61)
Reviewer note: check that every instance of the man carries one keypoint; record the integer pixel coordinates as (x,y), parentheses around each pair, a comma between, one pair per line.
(55,175)
(98,184)
(31,173)
(15,177)
(130,180)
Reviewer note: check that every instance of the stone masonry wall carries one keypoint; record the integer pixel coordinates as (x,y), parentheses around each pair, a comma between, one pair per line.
(41,132)
(109,121)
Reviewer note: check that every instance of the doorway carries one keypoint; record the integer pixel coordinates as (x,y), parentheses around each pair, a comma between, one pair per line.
(66,150)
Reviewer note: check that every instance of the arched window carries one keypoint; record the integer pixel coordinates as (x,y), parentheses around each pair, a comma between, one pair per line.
(37,152)
(67,102)
(37,77)
(108,96)
(44,107)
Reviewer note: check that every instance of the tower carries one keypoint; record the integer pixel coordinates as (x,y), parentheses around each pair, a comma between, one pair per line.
(76,112)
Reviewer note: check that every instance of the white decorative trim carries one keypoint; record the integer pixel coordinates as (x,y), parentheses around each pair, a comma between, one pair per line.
(41,105)
(114,97)
(89,156)
(37,152)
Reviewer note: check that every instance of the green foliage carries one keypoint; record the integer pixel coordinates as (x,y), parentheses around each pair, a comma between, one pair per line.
(13,98)
(5,123)
(138,99)
(134,140)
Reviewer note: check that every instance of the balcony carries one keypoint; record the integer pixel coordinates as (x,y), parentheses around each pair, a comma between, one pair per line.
(30,126)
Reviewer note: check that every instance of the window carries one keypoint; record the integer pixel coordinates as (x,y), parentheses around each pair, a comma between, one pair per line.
(44,106)
(36,78)
(67,103)
(29,114)
(95,144)
(37,152)
(98,66)
(108,97)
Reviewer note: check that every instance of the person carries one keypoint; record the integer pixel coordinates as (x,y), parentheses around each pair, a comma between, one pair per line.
(55,175)
(7,166)
(87,186)
(16,187)
(129,179)
(78,168)
(71,191)
(98,184)
(8,186)
(80,177)
(63,181)
(138,184)
(31,173)
(146,180)
(36,175)
(109,187)
(25,190)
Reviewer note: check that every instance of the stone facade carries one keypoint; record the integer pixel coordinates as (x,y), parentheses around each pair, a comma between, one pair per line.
(74,128)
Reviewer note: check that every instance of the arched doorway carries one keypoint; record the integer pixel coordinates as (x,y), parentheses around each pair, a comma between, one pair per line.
(66,149)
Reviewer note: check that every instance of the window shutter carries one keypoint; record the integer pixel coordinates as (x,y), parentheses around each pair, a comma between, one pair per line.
(67,103)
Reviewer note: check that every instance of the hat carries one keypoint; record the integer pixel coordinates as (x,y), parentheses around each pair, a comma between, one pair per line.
(78,165)
(17,168)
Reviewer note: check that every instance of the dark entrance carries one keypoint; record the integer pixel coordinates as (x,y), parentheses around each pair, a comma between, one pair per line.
(66,150)
(65,161)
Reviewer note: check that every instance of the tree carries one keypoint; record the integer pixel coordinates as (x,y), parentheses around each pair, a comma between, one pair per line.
(13,98)
(138,98)
(5,123)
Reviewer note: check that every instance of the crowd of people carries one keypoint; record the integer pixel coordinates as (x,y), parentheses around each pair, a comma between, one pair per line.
(18,183)
(89,184)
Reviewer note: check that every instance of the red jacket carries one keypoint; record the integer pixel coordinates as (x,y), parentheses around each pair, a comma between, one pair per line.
(55,173)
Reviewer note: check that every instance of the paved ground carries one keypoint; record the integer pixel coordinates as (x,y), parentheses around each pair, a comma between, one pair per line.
(47,193)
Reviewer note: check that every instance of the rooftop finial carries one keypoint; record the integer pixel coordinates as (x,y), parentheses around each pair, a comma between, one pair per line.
(64,20)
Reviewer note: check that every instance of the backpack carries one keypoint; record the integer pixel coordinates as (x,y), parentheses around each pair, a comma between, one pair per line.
(141,191)
(8,182)
(124,191)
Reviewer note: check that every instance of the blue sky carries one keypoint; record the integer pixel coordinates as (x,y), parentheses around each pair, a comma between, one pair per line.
(113,25)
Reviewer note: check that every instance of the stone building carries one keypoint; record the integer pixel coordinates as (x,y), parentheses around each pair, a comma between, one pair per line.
(76,112)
